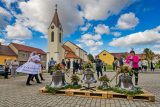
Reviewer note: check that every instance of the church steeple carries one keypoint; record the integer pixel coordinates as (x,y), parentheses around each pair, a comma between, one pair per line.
(55,38)
(55,19)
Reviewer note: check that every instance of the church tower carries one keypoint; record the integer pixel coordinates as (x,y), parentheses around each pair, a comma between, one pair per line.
(55,38)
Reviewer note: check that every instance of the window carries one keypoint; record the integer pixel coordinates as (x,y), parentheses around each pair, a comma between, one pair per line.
(52,37)
(52,27)
(104,54)
(60,37)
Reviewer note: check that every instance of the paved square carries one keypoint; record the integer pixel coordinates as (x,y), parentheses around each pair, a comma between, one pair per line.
(14,93)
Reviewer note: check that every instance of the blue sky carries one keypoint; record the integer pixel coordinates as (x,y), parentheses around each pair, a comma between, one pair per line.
(116,26)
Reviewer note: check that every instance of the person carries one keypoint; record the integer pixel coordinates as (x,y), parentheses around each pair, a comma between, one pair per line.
(50,64)
(145,64)
(74,66)
(6,64)
(133,60)
(31,67)
(140,65)
(63,63)
(68,64)
(15,65)
(104,66)
(116,63)
(40,71)
(121,61)
(80,66)
(152,66)
(99,65)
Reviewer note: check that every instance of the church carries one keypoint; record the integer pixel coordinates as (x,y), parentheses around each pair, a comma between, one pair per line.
(59,50)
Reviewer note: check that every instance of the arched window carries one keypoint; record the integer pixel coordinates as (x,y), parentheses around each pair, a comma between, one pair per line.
(60,38)
(52,37)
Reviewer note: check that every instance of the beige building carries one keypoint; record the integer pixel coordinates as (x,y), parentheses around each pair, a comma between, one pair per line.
(59,50)
(23,52)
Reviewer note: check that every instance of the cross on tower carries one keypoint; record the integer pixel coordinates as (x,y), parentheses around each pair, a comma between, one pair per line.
(56,7)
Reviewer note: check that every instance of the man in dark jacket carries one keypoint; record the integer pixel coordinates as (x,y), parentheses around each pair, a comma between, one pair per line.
(99,66)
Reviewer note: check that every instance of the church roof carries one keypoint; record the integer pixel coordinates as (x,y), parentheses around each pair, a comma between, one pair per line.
(71,55)
(55,19)
(66,48)
(25,48)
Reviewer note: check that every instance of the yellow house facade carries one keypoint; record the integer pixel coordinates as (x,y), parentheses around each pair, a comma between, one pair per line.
(106,57)
(6,53)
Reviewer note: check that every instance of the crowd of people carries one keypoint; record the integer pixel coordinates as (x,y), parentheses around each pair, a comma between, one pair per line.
(33,66)
(10,67)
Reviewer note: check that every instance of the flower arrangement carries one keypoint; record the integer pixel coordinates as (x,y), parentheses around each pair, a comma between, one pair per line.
(87,65)
(105,83)
(123,69)
(56,67)
(75,79)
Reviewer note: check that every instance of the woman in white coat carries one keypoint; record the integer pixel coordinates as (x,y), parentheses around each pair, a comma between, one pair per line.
(31,67)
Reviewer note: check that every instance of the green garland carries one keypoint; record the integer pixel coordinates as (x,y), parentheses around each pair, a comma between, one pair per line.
(54,90)
(135,91)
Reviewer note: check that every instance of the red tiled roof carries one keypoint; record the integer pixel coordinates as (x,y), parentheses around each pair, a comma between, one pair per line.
(66,48)
(55,19)
(27,48)
(5,50)
(118,55)
(71,55)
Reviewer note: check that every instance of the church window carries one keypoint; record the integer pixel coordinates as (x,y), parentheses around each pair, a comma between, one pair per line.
(60,37)
(52,37)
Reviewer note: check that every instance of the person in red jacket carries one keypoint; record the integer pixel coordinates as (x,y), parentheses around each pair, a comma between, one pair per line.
(133,60)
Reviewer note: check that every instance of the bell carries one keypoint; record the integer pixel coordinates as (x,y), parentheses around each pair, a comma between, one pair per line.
(125,82)
(58,80)
(88,79)
(89,76)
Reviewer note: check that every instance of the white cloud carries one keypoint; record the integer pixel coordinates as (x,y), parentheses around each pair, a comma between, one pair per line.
(102,9)
(18,42)
(5,17)
(80,45)
(2,41)
(116,34)
(38,14)
(90,37)
(44,37)
(127,21)
(86,27)
(9,2)
(157,46)
(18,31)
(140,38)
(93,42)
(102,29)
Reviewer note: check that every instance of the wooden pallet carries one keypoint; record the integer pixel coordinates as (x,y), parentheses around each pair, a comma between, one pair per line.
(78,92)
(146,96)
(103,94)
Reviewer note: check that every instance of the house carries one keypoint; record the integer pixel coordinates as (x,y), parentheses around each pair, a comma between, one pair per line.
(79,52)
(118,55)
(23,52)
(106,57)
(59,50)
(6,53)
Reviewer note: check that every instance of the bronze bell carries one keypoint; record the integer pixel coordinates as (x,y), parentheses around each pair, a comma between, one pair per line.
(58,79)
(125,82)
(88,76)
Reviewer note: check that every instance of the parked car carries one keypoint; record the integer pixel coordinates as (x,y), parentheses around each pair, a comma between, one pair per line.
(2,70)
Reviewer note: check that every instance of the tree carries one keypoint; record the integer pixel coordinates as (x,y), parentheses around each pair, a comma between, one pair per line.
(149,54)
(90,57)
